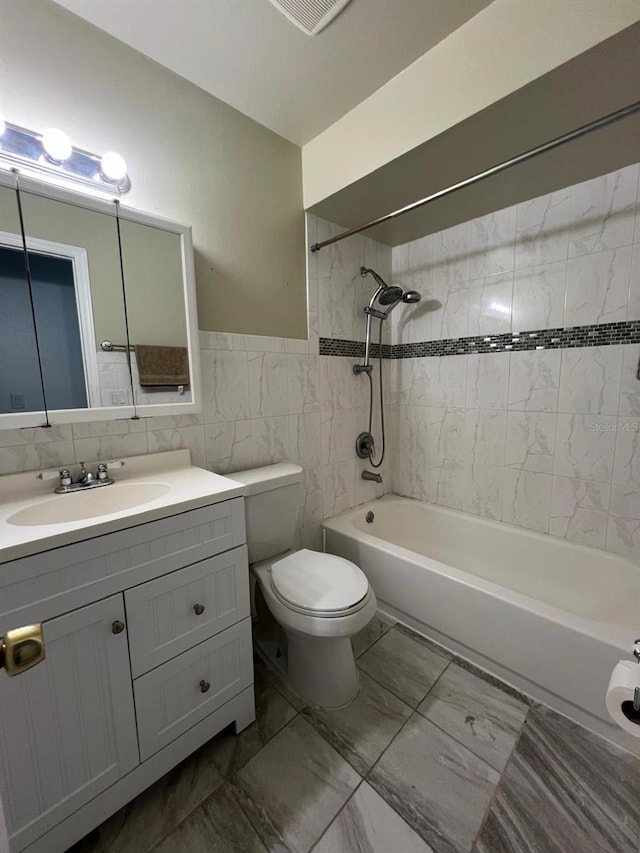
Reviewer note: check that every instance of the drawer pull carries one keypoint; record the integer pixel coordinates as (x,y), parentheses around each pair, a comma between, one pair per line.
(198,609)
(117,627)
(204,686)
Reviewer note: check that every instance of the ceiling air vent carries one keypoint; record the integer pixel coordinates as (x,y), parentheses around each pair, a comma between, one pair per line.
(310,15)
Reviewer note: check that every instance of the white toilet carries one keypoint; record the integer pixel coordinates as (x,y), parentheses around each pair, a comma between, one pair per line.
(319,600)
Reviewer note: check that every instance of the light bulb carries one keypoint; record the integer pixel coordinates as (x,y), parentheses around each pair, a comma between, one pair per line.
(113,166)
(56,144)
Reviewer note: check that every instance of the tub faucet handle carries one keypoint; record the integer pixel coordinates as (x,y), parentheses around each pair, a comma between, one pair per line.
(636,650)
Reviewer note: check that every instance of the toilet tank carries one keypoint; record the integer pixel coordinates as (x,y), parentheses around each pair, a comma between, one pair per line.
(271,507)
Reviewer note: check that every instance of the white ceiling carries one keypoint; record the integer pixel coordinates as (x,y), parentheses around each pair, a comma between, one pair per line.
(249,55)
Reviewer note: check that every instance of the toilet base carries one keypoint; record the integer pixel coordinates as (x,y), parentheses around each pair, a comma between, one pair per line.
(322,670)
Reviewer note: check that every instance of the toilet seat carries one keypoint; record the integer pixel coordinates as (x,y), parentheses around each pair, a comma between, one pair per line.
(319,584)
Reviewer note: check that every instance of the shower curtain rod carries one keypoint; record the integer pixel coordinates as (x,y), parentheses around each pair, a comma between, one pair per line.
(500,167)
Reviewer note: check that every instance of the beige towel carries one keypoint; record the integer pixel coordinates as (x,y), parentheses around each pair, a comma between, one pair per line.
(162,365)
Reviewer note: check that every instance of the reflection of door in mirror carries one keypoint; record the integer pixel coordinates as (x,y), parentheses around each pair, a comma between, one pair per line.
(20,383)
(155,292)
(78,302)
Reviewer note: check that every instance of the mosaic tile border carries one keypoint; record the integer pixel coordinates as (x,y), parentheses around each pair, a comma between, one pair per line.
(603,334)
(352,349)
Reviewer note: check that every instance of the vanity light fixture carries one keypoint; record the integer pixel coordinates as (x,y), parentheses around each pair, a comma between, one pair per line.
(113,167)
(52,155)
(56,145)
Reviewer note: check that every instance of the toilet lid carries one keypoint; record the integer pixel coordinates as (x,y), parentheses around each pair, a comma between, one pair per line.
(319,582)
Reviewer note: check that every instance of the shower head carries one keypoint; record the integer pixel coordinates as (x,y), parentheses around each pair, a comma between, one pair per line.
(390,296)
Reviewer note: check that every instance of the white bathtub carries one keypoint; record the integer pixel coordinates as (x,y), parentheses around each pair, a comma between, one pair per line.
(549,617)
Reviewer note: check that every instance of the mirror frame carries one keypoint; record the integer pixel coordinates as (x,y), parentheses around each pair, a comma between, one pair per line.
(19,420)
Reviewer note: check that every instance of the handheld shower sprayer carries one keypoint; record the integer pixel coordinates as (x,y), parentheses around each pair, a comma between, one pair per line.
(386,297)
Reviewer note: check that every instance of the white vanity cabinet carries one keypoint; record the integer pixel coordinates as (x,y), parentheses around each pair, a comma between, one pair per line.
(147,635)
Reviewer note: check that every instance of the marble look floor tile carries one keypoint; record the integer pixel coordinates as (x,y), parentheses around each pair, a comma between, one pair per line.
(230,752)
(218,826)
(362,731)
(407,665)
(437,785)
(564,789)
(377,628)
(368,825)
(480,716)
(294,787)
(152,815)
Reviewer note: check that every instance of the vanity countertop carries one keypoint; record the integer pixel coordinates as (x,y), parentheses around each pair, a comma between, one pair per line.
(186,487)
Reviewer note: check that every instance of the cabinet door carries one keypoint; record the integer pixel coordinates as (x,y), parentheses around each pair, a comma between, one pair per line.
(67,726)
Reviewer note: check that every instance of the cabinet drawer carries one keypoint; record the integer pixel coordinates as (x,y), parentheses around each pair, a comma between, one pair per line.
(180,693)
(169,615)
(45,585)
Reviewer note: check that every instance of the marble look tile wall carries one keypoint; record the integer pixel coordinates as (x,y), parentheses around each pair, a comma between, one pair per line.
(264,400)
(546,439)
(336,286)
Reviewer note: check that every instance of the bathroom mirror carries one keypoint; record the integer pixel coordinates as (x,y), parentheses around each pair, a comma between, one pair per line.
(21,394)
(153,264)
(78,301)
(101,357)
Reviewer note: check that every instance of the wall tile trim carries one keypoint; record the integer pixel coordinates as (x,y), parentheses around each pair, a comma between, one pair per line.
(352,349)
(597,335)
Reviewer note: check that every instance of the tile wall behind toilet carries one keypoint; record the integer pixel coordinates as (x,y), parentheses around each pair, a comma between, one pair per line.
(544,438)
(265,400)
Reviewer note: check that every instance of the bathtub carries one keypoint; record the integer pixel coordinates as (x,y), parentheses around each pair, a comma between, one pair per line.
(549,617)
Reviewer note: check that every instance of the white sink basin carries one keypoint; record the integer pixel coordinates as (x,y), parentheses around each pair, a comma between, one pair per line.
(63,509)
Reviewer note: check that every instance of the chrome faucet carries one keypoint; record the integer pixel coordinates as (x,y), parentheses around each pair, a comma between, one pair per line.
(86,480)
(85,477)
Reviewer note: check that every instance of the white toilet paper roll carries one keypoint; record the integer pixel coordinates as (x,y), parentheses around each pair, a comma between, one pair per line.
(624,679)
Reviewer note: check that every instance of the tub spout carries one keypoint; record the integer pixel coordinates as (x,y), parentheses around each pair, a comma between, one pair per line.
(371,475)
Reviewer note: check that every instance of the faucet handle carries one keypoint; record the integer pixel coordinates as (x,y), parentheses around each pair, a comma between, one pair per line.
(52,474)
(636,649)
(114,463)
(104,467)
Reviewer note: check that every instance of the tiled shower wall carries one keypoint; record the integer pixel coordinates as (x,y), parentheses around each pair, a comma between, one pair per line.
(265,400)
(545,438)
